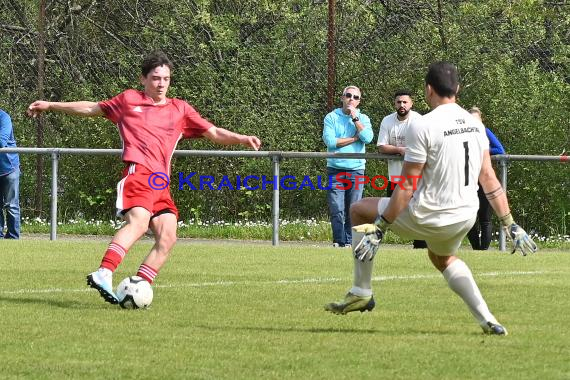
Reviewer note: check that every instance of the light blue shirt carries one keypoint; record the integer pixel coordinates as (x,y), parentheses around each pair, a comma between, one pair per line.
(338,126)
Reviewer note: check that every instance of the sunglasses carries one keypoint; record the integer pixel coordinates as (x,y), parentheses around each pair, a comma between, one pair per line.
(351,96)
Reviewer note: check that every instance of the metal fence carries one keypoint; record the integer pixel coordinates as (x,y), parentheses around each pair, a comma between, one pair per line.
(272,69)
(276,158)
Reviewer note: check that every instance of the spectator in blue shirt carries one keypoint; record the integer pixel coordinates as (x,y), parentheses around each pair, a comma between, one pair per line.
(9,181)
(480,235)
(346,130)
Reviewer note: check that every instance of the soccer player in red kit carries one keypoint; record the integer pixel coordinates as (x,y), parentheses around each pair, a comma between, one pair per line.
(150,126)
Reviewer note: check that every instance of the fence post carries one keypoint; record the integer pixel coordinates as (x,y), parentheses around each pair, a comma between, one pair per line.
(41,121)
(53,214)
(503,165)
(331,55)
(275,159)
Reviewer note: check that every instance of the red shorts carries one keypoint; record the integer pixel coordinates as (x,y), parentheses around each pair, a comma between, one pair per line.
(142,188)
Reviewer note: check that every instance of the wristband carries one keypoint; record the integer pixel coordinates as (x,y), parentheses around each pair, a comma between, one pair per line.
(507,220)
(382,222)
(354,120)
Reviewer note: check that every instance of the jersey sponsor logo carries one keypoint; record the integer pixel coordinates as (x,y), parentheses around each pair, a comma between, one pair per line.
(458,131)
(137,109)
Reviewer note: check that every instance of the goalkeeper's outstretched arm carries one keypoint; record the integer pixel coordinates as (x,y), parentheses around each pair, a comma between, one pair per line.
(498,200)
(411,171)
(492,187)
(366,249)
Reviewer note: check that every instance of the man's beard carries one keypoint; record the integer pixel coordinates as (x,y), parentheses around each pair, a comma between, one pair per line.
(402,112)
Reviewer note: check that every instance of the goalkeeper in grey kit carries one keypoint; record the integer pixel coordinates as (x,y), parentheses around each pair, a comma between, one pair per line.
(448,148)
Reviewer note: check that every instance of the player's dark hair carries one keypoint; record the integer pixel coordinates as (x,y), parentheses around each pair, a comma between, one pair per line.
(443,78)
(155,59)
(402,92)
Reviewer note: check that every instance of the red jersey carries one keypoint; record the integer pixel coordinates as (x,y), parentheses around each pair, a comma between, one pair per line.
(151,132)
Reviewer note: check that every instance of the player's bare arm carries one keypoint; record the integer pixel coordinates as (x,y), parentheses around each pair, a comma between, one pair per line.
(411,171)
(224,137)
(492,187)
(81,108)
(373,234)
(498,200)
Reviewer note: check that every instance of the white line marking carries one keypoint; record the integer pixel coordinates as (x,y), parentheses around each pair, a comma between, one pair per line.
(278,282)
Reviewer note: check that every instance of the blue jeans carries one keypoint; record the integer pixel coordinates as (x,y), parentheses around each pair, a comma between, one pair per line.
(339,202)
(10,201)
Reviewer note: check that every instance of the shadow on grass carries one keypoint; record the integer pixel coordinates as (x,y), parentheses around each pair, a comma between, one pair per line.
(336,330)
(292,329)
(70,304)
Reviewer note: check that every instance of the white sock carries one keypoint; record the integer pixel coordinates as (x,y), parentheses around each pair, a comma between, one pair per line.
(362,284)
(357,291)
(105,272)
(461,281)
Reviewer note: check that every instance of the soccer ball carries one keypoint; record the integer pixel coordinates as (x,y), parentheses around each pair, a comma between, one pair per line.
(134,293)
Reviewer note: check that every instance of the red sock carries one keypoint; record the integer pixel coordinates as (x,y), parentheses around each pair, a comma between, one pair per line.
(147,273)
(113,256)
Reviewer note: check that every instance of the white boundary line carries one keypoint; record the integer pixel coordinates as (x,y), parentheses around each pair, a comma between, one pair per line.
(278,282)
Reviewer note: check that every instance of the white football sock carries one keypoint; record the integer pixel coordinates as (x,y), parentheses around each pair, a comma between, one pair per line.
(461,281)
(362,284)
(104,272)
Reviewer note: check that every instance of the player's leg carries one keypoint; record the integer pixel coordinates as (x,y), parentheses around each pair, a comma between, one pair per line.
(417,244)
(164,228)
(136,224)
(135,202)
(461,281)
(364,211)
(360,297)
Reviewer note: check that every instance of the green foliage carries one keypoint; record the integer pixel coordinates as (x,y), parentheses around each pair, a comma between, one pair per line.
(260,67)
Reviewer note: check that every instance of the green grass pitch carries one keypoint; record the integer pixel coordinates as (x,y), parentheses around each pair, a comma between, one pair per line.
(247,311)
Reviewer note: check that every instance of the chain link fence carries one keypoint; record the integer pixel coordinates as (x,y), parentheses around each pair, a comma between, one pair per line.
(263,67)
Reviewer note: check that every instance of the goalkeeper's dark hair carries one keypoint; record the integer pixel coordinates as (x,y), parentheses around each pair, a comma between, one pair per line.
(153,60)
(443,78)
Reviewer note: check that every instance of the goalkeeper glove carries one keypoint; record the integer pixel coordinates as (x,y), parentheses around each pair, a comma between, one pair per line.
(373,233)
(518,236)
